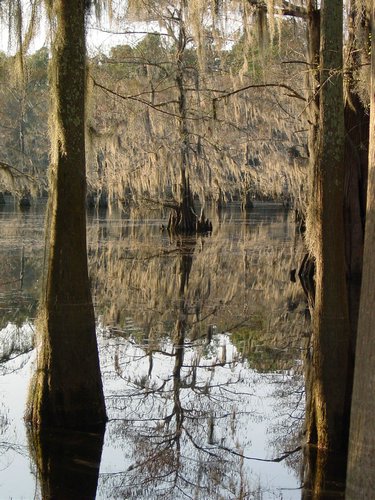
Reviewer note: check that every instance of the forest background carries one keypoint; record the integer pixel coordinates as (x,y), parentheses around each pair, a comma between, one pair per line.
(232,128)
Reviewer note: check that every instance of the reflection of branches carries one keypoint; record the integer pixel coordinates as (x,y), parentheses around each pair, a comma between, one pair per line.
(255,285)
(15,344)
(205,449)
(187,393)
(5,358)
(7,446)
(276,460)
(11,448)
(163,442)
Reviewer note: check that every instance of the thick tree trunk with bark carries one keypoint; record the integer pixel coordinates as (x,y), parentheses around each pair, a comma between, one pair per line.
(361,462)
(312,76)
(67,390)
(356,147)
(328,409)
(356,162)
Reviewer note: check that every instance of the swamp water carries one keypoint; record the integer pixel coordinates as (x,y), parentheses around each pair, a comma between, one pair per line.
(200,342)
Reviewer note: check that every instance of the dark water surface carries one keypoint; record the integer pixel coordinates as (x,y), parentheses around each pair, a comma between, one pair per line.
(201,341)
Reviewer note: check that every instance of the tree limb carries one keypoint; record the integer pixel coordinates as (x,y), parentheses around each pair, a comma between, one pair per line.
(16,172)
(285,9)
(293,93)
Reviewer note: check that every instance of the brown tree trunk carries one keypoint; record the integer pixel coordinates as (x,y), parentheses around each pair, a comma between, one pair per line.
(328,412)
(361,463)
(187,222)
(184,219)
(356,161)
(66,390)
(312,76)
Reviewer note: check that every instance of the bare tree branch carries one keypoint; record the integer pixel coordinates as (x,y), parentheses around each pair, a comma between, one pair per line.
(293,93)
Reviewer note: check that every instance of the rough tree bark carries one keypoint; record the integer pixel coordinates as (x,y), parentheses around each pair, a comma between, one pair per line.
(66,390)
(356,161)
(327,411)
(361,462)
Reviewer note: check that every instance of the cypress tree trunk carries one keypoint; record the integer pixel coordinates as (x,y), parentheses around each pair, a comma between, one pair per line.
(67,390)
(187,217)
(356,161)
(313,76)
(184,220)
(328,408)
(361,462)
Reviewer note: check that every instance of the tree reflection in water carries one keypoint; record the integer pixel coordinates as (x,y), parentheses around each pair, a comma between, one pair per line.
(323,475)
(199,340)
(67,463)
(187,400)
(176,454)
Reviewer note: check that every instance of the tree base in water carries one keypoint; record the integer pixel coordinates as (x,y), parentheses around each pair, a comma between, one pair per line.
(181,222)
(183,219)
